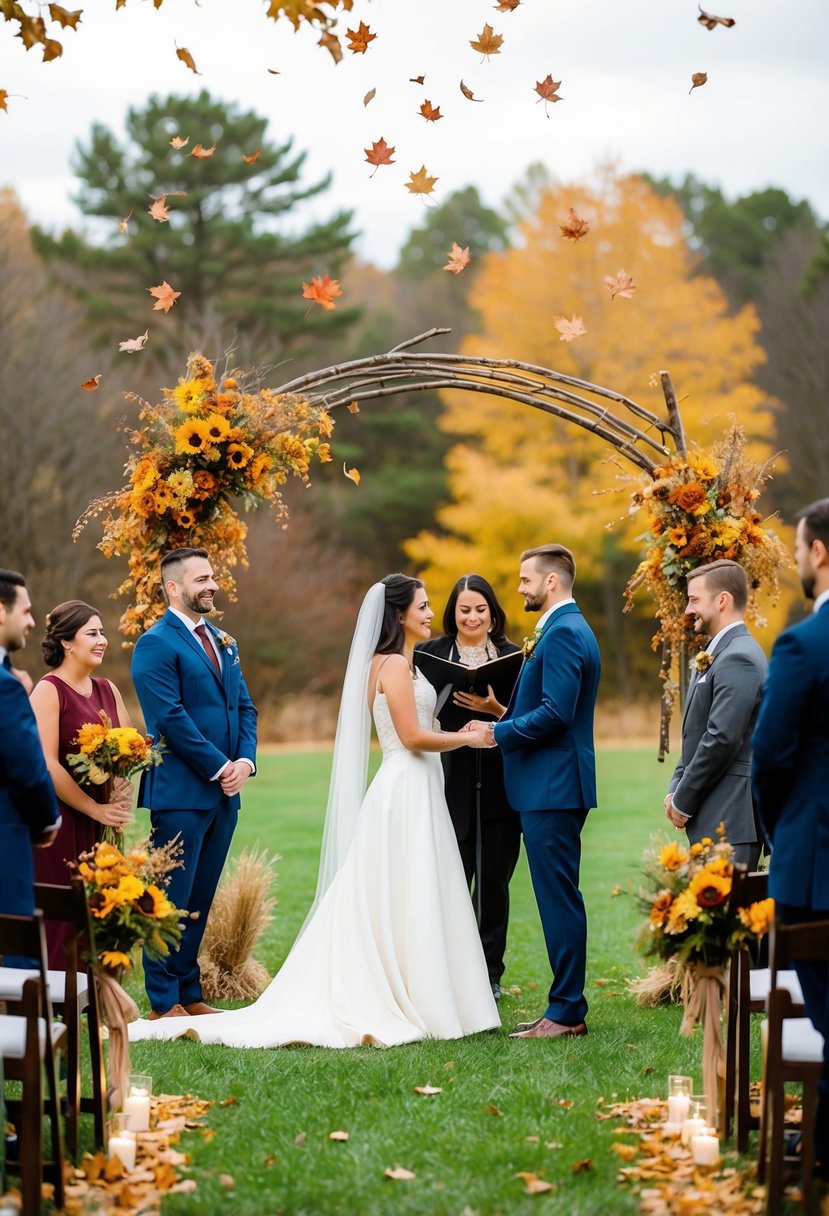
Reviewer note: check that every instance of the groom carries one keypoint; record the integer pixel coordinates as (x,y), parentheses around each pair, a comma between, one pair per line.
(193,696)
(546,736)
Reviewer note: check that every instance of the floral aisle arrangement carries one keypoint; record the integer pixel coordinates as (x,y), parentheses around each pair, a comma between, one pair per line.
(701,507)
(212,444)
(690,918)
(106,751)
(129,907)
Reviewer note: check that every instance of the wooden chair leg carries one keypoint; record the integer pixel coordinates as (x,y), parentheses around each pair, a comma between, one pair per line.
(53,1106)
(731,1049)
(774,1150)
(96,1061)
(30,1142)
(807,1143)
(742,1084)
(73,1082)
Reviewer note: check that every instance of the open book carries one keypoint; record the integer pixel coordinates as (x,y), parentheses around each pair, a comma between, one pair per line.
(448,676)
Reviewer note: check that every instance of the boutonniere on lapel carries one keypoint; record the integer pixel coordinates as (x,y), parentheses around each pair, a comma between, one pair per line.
(702,661)
(226,643)
(530,643)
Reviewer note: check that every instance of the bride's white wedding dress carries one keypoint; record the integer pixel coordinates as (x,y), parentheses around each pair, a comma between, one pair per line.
(391,954)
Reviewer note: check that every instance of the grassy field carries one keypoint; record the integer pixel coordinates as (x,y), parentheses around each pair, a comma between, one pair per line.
(506,1104)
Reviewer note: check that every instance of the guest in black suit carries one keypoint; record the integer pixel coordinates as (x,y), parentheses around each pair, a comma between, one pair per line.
(487,828)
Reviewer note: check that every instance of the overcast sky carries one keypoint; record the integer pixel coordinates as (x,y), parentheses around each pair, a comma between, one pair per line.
(625,66)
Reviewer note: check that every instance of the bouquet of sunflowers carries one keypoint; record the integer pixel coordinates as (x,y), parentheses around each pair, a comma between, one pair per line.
(689,916)
(126,892)
(112,751)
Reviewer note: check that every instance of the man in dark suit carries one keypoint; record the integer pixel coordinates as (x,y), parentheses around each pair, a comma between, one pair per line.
(28,808)
(712,781)
(193,695)
(791,776)
(546,737)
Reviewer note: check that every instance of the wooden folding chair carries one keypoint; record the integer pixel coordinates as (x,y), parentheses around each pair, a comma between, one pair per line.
(29,1043)
(748,988)
(793,1053)
(73,994)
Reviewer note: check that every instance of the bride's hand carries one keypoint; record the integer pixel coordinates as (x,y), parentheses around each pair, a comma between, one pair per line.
(475,735)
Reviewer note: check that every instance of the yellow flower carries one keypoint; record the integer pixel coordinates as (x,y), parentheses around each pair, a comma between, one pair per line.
(672,856)
(705,467)
(217,427)
(107,855)
(695,849)
(191,437)
(709,888)
(145,475)
(238,455)
(660,908)
(677,537)
(684,909)
(128,740)
(112,959)
(188,395)
(164,497)
(758,917)
(153,902)
(129,888)
(90,737)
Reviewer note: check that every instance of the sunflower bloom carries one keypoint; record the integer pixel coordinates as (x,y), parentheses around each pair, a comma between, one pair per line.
(672,856)
(660,908)
(113,959)
(191,437)
(238,454)
(758,916)
(153,902)
(217,427)
(683,910)
(709,888)
(188,395)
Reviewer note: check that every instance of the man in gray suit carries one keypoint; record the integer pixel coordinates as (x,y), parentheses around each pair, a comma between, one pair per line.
(712,781)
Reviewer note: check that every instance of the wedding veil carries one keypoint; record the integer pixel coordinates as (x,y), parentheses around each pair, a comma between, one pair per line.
(349,770)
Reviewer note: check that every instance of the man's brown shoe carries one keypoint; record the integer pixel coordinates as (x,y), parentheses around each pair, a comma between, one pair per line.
(528,1025)
(196,1008)
(178,1011)
(544,1028)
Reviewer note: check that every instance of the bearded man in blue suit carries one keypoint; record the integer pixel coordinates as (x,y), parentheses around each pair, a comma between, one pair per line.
(193,696)
(546,736)
(790,775)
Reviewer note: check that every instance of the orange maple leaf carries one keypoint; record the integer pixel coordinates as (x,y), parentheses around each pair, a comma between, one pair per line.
(359,39)
(487,42)
(322,290)
(165,296)
(179,141)
(417,79)
(421,182)
(186,58)
(4,97)
(352,475)
(547,89)
(468,94)
(253,158)
(620,284)
(91,385)
(458,258)
(379,154)
(131,345)
(430,113)
(65,19)
(574,328)
(574,227)
(331,43)
(698,79)
(711,22)
(507,6)
(202,153)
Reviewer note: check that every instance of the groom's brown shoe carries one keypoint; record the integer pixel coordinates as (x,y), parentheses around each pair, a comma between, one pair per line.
(547,1029)
(196,1008)
(528,1025)
(178,1011)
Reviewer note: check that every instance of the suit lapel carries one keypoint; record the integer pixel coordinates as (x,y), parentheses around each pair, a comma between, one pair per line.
(193,642)
(739,631)
(548,625)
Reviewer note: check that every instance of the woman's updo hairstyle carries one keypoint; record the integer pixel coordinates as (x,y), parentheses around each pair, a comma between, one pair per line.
(400,591)
(62,625)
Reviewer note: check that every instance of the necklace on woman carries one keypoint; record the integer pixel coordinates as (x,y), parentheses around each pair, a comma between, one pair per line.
(80,691)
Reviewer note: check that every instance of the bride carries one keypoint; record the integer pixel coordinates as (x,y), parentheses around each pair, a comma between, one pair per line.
(389,952)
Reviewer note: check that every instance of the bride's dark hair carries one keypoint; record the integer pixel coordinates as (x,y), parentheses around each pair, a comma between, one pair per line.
(400,590)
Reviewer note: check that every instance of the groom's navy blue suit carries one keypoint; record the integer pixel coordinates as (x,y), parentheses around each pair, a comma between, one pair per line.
(546,737)
(205,719)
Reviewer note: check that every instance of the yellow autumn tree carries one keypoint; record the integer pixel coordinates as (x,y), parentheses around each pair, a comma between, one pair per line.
(518,477)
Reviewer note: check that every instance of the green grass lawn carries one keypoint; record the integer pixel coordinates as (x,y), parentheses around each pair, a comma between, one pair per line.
(274,1140)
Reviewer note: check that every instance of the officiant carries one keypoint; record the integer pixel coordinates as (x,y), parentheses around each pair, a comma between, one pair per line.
(474,677)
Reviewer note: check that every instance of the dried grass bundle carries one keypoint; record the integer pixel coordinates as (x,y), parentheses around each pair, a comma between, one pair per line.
(661,986)
(241,912)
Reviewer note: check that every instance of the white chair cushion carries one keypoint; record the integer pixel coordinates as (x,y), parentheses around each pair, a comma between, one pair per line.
(13,1035)
(802,1044)
(760,984)
(12,980)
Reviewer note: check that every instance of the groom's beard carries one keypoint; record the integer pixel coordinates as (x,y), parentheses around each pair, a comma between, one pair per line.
(202,603)
(807,582)
(533,603)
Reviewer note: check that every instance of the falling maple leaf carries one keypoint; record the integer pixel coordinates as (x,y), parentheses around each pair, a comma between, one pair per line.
(507,6)
(417,79)
(620,284)
(370,95)
(322,290)
(468,94)
(91,385)
(458,258)
(399,1174)
(4,97)
(574,227)
(533,1185)
(165,296)
(427,1091)
(179,141)
(159,210)
(359,39)
(331,43)
(65,20)
(379,154)
(574,328)
(352,474)
(698,79)
(430,113)
(253,158)
(547,90)
(186,58)
(421,182)
(131,345)
(711,22)
(487,42)
(124,224)
(338,1136)
(202,153)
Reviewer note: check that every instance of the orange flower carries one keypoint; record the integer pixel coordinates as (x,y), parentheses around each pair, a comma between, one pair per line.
(661,907)
(691,498)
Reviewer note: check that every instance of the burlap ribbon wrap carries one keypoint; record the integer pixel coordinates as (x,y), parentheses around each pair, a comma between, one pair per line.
(703,989)
(117,1009)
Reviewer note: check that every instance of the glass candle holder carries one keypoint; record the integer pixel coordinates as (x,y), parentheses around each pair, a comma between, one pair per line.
(679,1100)
(696,1121)
(137,1103)
(122,1143)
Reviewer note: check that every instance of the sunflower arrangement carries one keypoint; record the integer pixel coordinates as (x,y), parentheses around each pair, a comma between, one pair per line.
(127,899)
(701,507)
(211,445)
(687,905)
(106,751)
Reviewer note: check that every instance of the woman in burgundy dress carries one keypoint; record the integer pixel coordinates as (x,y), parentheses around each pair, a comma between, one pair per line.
(74,646)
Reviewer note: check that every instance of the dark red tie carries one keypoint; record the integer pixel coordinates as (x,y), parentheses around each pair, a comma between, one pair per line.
(201,632)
